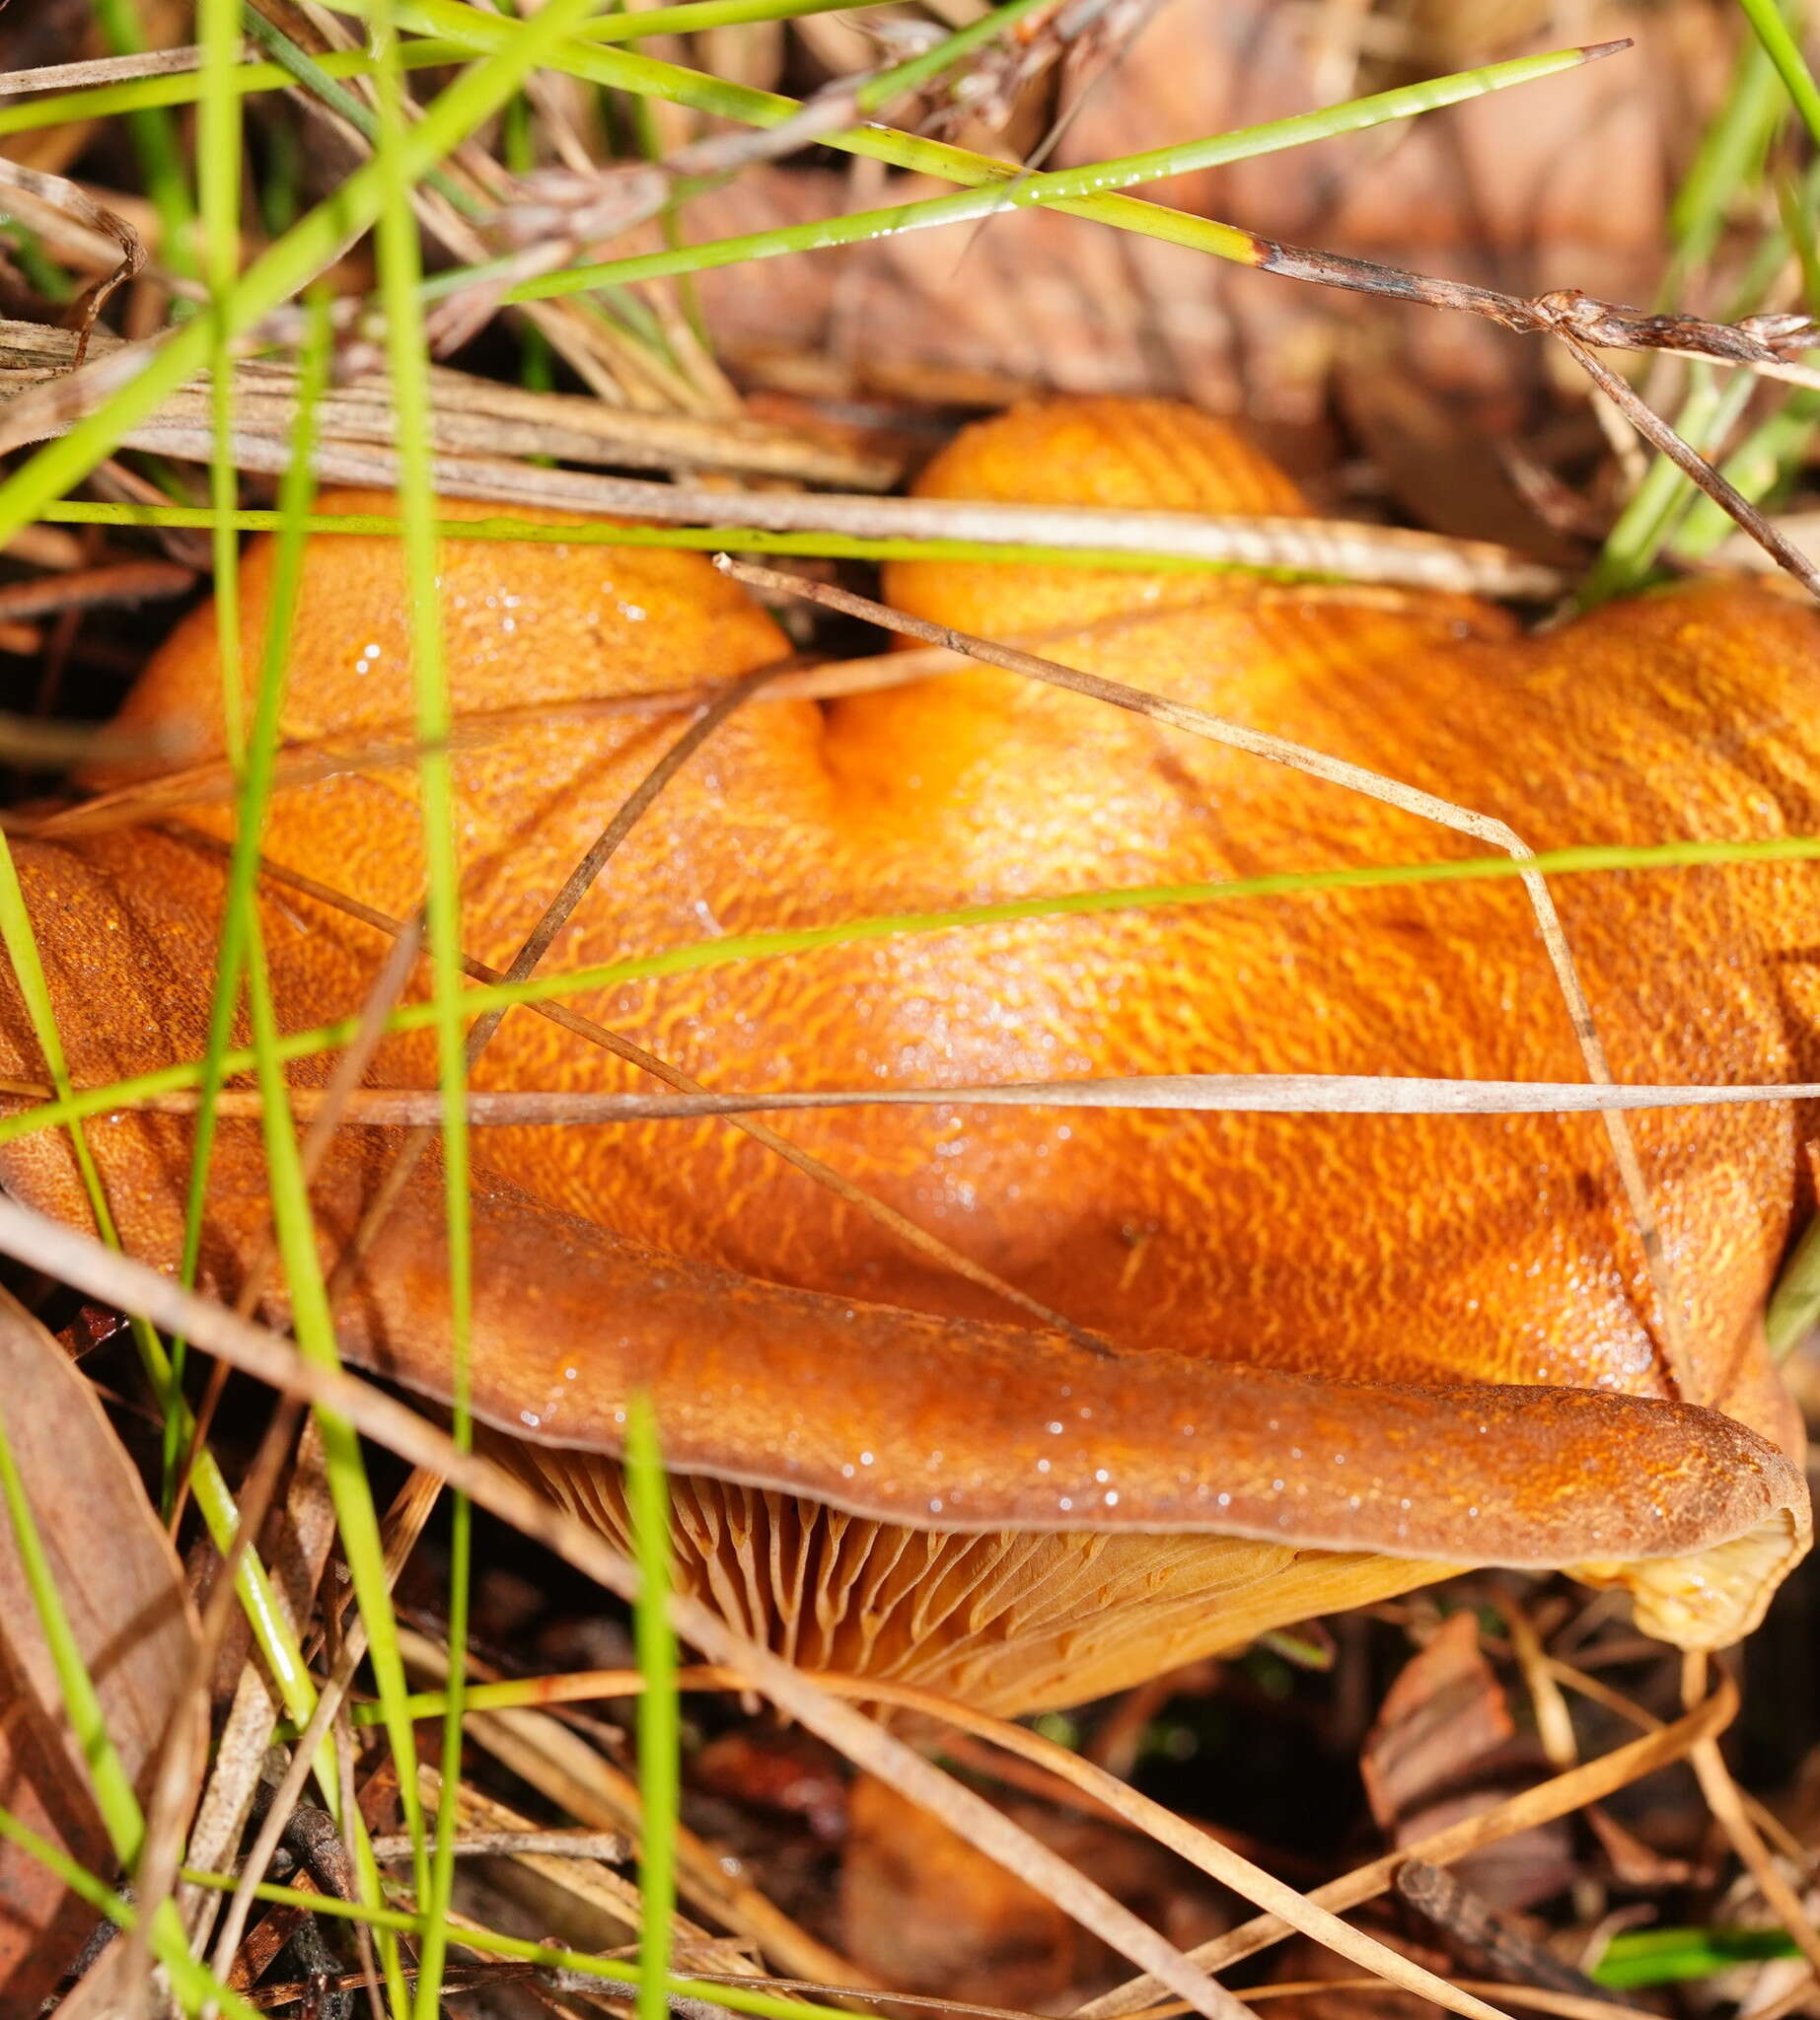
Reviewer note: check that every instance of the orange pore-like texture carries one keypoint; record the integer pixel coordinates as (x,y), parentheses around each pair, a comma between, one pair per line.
(1436,1250)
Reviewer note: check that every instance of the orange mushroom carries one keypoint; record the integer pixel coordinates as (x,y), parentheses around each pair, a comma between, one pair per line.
(1348,1352)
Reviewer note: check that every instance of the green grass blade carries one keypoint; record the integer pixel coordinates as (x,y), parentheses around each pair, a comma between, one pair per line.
(155,140)
(401,275)
(659,1714)
(1646,1957)
(1582,859)
(904,78)
(1772,29)
(218,167)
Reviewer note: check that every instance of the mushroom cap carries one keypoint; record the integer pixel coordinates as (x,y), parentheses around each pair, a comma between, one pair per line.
(1364,1348)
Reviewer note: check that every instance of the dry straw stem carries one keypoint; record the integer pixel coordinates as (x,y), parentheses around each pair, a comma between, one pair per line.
(1727,1805)
(1342,549)
(1249,1094)
(1357,778)
(1534,1998)
(88,1264)
(482,416)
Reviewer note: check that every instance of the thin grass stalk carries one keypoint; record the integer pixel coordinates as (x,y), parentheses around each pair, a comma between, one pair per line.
(67,101)
(660,1740)
(355,1515)
(155,140)
(74,1105)
(218,174)
(1772,29)
(401,274)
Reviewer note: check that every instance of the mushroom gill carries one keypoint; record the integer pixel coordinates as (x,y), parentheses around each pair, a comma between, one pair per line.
(1348,1352)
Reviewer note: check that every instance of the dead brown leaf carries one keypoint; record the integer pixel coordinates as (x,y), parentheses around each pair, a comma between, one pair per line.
(1445,1747)
(1555,184)
(123,1587)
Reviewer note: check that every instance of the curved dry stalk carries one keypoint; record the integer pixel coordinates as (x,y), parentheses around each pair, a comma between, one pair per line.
(1372,785)
(1727,1805)
(90,1265)
(1554,1721)
(64,201)
(310,761)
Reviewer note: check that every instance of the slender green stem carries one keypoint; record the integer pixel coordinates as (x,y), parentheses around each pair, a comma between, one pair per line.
(401,275)
(659,1715)
(488,1943)
(155,140)
(1585,859)
(1773,31)
(904,78)
(218,167)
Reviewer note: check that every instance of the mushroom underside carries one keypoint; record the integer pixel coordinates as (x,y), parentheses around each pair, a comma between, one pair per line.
(1006,1620)
(989,1507)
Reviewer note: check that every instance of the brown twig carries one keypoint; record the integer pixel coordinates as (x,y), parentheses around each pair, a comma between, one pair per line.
(1768,344)
(1481,1939)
